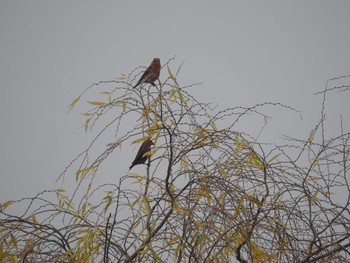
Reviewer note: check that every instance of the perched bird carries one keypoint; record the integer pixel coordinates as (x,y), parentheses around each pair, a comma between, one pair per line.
(140,159)
(151,74)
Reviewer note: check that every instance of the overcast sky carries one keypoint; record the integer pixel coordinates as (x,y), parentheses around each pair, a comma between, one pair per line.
(244,52)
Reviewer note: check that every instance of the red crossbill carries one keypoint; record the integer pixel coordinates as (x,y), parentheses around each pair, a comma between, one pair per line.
(151,74)
(140,158)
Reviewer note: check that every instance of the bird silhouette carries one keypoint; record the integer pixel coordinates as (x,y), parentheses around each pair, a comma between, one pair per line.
(140,158)
(151,74)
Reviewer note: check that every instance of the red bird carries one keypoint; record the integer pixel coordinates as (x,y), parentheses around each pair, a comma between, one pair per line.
(151,74)
(140,159)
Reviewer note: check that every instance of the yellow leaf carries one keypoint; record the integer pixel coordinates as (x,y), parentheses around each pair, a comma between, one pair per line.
(173,240)
(141,232)
(237,209)
(141,139)
(178,250)
(154,126)
(228,250)
(202,238)
(179,210)
(314,196)
(136,175)
(202,132)
(109,202)
(312,178)
(87,124)
(83,209)
(68,202)
(82,171)
(86,114)
(315,158)
(257,162)
(214,126)
(143,249)
(105,92)
(6,204)
(236,140)
(88,188)
(14,241)
(172,93)
(121,77)
(173,122)
(149,153)
(200,224)
(214,142)
(70,106)
(259,255)
(181,96)
(266,119)
(155,255)
(115,144)
(239,145)
(328,193)
(222,170)
(139,177)
(183,163)
(135,202)
(156,138)
(201,142)
(146,206)
(253,199)
(60,190)
(311,135)
(273,158)
(170,74)
(3,229)
(124,106)
(119,143)
(96,103)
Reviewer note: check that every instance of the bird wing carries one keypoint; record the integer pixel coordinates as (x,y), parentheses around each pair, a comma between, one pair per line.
(143,149)
(144,75)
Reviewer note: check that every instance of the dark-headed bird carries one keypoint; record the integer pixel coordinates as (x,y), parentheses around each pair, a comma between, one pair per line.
(151,74)
(140,158)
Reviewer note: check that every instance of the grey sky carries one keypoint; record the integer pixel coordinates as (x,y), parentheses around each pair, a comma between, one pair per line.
(245,52)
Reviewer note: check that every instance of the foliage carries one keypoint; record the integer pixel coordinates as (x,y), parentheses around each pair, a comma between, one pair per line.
(212,193)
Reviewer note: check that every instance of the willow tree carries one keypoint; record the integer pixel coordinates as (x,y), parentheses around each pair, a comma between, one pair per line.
(210,192)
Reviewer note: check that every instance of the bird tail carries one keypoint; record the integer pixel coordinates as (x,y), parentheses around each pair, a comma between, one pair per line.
(138,83)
